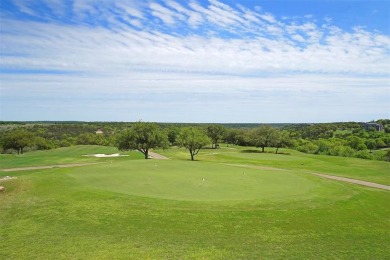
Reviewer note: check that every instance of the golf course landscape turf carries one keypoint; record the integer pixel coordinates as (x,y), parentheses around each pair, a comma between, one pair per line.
(231,203)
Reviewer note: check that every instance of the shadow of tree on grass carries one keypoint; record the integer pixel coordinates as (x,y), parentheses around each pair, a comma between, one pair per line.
(259,151)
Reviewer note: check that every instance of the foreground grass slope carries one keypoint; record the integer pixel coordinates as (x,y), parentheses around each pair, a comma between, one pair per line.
(149,209)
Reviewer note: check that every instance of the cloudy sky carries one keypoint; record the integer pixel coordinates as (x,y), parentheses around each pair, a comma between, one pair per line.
(258,61)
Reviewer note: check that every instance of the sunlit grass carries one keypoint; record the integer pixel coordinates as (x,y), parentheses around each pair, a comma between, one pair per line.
(149,209)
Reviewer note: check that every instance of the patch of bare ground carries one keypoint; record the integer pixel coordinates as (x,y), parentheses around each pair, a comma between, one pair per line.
(5,178)
(157,156)
(359,182)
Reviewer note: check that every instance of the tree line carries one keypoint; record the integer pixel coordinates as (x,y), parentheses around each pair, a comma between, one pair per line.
(348,139)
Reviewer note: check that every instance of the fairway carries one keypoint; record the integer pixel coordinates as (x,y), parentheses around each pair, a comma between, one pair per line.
(227,205)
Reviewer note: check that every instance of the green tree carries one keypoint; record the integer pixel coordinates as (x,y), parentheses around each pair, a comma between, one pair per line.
(356,143)
(192,139)
(172,132)
(143,136)
(43,144)
(17,140)
(371,144)
(380,143)
(306,146)
(324,146)
(281,139)
(364,154)
(387,155)
(231,136)
(347,151)
(87,139)
(215,132)
(263,136)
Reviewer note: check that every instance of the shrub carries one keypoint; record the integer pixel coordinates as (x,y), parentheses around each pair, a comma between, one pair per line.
(364,155)
(380,156)
(347,151)
(308,147)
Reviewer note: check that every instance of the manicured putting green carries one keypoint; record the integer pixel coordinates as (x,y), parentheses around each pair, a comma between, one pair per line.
(197,181)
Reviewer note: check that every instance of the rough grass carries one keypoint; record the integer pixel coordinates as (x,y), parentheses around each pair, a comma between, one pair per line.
(71,213)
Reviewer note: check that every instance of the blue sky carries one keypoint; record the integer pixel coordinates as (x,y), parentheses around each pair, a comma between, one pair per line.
(195,61)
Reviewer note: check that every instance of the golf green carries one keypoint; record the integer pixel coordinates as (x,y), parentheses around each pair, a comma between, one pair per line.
(198,181)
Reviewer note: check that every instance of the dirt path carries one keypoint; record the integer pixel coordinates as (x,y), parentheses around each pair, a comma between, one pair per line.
(157,156)
(46,167)
(364,183)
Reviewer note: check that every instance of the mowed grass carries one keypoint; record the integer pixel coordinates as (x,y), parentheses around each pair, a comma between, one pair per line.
(64,155)
(155,209)
(367,170)
(198,181)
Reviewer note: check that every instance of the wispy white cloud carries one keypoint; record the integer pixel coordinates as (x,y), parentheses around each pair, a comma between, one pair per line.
(164,14)
(81,48)
(130,10)
(25,7)
(58,7)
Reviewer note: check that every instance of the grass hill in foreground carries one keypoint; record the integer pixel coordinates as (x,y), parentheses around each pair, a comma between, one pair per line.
(232,203)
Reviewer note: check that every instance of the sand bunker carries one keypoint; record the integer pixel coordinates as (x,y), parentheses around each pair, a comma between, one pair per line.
(6,178)
(100,155)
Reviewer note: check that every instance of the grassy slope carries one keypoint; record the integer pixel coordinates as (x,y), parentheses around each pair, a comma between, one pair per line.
(63,155)
(56,213)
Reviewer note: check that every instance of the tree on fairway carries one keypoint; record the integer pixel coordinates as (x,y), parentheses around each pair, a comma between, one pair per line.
(262,136)
(142,136)
(281,139)
(192,139)
(215,132)
(17,140)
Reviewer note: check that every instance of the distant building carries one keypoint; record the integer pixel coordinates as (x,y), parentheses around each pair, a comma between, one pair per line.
(99,132)
(373,125)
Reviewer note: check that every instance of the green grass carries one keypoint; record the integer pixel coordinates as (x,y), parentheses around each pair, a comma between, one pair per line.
(150,209)
(199,181)
(367,170)
(65,155)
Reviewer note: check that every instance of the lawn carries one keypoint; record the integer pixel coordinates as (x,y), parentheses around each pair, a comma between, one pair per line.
(213,208)
(367,170)
(64,155)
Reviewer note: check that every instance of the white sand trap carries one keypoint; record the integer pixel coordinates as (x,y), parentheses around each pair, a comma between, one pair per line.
(100,155)
(6,178)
